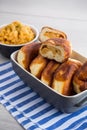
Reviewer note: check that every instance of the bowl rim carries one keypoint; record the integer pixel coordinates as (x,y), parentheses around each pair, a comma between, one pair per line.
(19,45)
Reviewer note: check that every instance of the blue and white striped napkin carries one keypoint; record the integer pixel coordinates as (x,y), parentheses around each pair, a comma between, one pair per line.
(32,111)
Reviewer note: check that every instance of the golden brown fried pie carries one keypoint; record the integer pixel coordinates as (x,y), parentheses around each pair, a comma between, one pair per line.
(37,65)
(63,77)
(80,79)
(48,32)
(27,53)
(48,72)
(56,49)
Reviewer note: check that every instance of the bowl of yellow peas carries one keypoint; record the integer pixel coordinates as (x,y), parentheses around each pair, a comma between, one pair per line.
(15,35)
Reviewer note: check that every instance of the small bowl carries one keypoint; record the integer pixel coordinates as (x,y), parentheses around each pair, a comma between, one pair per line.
(7,49)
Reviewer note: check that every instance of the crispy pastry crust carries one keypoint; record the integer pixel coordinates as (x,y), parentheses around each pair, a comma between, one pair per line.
(48,32)
(48,72)
(56,49)
(37,65)
(80,79)
(27,53)
(63,77)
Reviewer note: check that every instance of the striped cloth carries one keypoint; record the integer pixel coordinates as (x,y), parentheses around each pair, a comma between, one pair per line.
(32,111)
